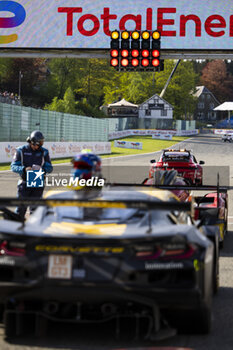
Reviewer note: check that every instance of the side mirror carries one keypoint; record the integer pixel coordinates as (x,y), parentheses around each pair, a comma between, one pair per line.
(201,162)
(153,161)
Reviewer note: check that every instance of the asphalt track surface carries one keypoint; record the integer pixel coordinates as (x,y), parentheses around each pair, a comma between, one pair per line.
(218,157)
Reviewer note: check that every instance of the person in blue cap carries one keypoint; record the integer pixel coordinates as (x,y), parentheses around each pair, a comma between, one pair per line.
(30,157)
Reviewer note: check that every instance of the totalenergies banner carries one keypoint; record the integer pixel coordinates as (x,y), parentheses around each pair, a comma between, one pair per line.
(86,24)
(56,149)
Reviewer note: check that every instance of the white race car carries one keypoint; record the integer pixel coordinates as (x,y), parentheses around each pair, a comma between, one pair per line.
(227,137)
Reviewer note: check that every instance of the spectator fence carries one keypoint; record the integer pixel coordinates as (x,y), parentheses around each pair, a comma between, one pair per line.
(17,122)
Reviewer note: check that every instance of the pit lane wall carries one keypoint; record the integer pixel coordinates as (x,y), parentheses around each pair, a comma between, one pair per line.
(56,149)
(150,132)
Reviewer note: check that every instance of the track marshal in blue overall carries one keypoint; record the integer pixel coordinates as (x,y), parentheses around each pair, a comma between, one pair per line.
(30,157)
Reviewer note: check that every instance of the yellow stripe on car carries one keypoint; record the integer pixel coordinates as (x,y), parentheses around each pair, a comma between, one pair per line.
(53,193)
(91,204)
(160,194)
(75,229)
(221,230)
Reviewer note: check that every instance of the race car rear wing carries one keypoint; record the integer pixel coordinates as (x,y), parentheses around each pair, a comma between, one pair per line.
(126,203)
(216,188)
(147,205)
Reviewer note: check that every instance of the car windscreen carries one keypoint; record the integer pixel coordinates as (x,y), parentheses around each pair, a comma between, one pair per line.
(176,157)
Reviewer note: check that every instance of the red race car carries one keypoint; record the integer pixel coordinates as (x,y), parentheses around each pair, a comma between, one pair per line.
(210,209)
(181,160)
(213,209)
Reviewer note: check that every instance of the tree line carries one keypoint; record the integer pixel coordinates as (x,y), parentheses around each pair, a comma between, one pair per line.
(81,86)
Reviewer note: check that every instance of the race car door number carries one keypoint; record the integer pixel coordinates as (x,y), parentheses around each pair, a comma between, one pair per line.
(60,266)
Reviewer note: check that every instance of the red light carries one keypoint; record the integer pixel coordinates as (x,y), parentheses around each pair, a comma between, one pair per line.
(114,62)
(114,53)
(124,53)
(135,62)
(145,53)
(145,62)
(155,62)
(155,53)
(135,53)
(124,62)
(11,251)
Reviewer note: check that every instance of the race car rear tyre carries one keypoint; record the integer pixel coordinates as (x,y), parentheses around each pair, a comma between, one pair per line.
(195,321)
(202,320)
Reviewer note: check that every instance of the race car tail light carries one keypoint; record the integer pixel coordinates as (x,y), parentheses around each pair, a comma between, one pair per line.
(166,252)
(178,251)
(196,213)
(11,250)
(147,253)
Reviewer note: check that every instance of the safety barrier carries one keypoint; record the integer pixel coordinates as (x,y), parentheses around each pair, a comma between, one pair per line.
(56,149)
(125,133)
(17,122)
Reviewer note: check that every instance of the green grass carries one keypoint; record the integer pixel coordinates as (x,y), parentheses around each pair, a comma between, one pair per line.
(148,145)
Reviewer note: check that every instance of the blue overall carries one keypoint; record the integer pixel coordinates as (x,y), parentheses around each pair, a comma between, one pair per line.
(25,157)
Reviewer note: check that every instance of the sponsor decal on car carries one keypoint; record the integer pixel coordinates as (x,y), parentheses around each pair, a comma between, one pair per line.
(7,261)
(69,249)
(163,266)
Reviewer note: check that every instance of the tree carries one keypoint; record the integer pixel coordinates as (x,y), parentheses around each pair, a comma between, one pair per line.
(56,105)
(5,69)
(179,91)
(63,74)
(216,78)
(69,105)
(81,86)
(69,102)
(93,76)
(139,86)
(65,105)
(31,69)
